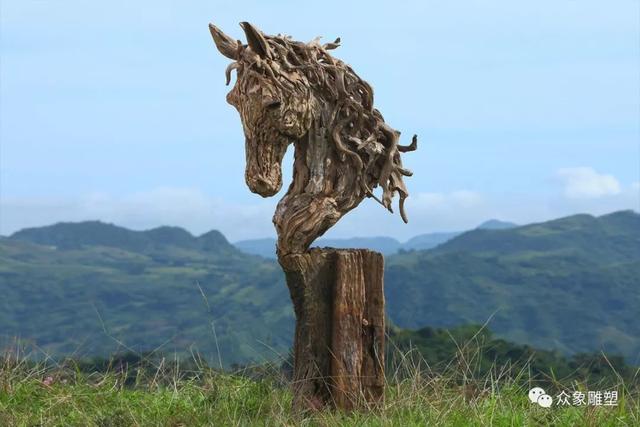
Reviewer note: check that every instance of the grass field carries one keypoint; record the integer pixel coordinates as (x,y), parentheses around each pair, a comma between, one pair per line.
(171,394)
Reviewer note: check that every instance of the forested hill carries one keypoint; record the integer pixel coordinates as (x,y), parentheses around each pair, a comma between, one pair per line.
(570,284)
(93,288)
(69,236)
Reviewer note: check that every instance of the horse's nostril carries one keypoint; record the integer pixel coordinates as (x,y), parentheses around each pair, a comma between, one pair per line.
(272,104)
(261,183)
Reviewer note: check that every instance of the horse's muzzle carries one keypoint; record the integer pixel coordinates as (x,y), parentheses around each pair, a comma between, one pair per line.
(263,172)
(266,187)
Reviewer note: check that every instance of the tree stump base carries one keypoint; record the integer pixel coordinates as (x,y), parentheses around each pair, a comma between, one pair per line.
(338,301)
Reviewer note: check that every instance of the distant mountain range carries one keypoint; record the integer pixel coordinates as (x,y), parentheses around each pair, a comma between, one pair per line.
(70,236)
(571,284)
(90,287)
(386,245)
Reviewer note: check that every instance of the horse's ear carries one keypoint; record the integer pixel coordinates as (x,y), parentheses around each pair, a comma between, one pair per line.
(225,44)
(256,40)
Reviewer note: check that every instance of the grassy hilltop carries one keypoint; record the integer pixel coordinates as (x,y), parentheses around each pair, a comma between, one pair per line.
(459,377)
(163,392)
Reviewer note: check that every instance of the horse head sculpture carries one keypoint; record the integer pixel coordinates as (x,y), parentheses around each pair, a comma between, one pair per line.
(291,92)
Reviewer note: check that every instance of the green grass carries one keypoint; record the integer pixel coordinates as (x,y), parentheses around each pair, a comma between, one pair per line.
(170,395)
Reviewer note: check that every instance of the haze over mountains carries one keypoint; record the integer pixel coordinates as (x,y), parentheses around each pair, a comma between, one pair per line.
(571,284)
(386,245)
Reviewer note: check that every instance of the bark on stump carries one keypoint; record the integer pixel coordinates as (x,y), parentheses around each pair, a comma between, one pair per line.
(338,301)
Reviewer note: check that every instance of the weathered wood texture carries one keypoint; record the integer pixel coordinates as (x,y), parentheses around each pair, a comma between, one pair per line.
(339,342)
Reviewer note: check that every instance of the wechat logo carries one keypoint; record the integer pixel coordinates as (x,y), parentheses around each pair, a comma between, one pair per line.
(539,396)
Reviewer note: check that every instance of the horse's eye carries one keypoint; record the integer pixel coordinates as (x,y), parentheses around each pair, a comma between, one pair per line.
(272,104)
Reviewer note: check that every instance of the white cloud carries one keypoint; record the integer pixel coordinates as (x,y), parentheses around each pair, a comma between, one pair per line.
(427,212)
(189,208)
(199,212)
(446,201)
(584,182)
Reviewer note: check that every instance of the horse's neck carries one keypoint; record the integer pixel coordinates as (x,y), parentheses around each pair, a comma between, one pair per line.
(324,188)
(315,162)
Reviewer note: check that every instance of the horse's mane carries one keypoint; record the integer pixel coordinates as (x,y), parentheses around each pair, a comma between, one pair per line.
(358,130)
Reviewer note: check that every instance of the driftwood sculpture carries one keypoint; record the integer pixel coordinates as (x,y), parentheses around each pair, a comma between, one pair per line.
(291,92)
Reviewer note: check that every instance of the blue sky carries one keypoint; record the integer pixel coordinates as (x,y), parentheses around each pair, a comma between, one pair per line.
(116,110)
